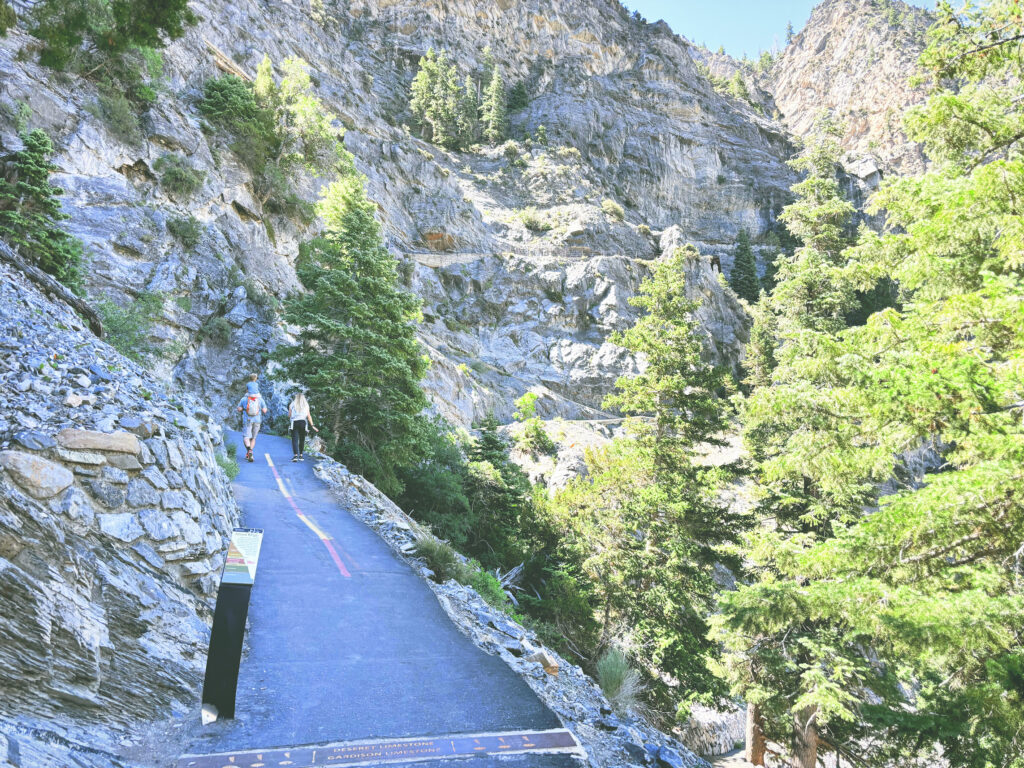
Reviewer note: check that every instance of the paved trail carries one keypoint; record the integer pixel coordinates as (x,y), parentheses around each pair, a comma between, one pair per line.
(732,760)
(345,642)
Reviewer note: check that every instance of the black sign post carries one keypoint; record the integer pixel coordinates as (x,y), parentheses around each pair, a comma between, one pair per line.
(225,655)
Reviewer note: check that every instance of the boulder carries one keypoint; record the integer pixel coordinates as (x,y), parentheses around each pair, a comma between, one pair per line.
(546,660)
(87,440)
(82,457)
(142,494)
(124,461)
(34,441)
(122,526)
(39,477)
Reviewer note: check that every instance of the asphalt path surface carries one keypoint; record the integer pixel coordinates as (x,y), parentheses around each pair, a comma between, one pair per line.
(345,641)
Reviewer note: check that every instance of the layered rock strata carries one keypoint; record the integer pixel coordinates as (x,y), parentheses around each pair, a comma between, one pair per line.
(113,518)
(629,120)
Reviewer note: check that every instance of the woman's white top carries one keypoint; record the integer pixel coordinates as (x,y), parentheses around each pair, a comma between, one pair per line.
(298,414)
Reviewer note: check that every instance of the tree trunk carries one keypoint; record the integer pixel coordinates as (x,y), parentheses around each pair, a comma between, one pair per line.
(805,738)
(756,744)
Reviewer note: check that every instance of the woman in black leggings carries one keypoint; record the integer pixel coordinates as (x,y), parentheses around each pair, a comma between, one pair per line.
(298,412)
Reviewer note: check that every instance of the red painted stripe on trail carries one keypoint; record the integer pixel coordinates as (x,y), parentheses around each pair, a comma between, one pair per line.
(324,537)
(337,544)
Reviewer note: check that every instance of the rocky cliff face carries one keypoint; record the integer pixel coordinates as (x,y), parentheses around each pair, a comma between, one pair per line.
(113,518)
(854,58)
(629,119)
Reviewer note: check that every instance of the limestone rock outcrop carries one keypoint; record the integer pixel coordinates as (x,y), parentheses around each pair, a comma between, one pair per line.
(113,521)
(855,58)
(629,120)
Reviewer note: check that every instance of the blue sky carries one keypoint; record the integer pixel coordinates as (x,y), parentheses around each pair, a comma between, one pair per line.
(739,25)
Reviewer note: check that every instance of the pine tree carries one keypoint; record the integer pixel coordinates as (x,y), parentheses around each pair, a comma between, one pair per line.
(264,87)
(518,96)
(789,32)
(30,211)
(810,293)
(806,308)
(488,67)
(469,110)
(110,26)
(494,109)
(759,361)
(743,277)
(647,518)
(437,100)
(357,353)
(900,630)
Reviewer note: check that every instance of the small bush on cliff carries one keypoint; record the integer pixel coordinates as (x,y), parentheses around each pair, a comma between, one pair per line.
(277,128)
(30,211)
(187,230)
(127,328)
(8,18)
(620,682)
(533,221)
(227,461)
(177,176)
(230,104)
(613,209)
(440,557)
(218,331)
(534,439)
(117,112)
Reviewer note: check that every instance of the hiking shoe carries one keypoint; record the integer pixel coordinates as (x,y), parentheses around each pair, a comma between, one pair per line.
(248,456)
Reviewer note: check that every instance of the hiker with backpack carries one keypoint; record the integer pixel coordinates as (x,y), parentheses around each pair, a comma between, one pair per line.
(298,413)
(252,407)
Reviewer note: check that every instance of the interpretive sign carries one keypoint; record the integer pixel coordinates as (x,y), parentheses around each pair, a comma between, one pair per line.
(243,554)
(395,750)
(225,655)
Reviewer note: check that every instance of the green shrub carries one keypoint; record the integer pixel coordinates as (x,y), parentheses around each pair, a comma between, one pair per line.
(154,63)
(30,211)
(259,295)
(227,461)
(229,103)
(127,328)
(218,330)
(8,18)
(644,230)
(273,187)
(187,230)
(486,585)
(514,154)
(619,681)
(117,112)
(440,557)
(178,176)
(532,220)
(534,438)
(613,209)
(518,96)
